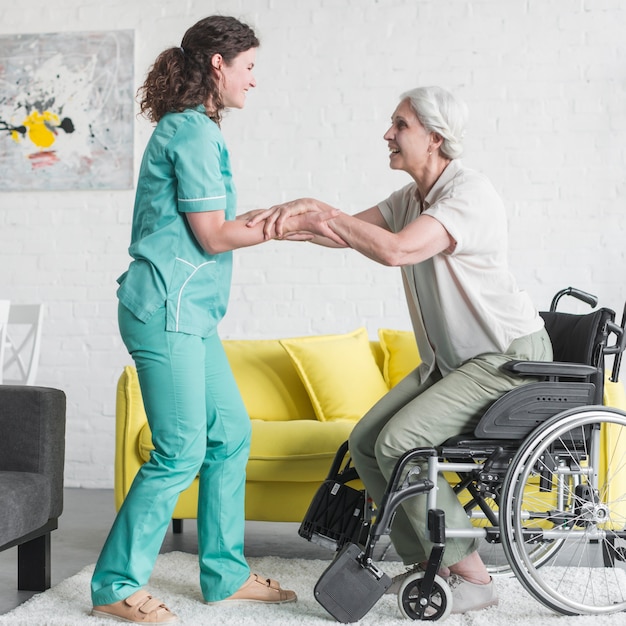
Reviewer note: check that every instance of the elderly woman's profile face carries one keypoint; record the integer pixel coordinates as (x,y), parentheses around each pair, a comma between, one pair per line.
(407,139)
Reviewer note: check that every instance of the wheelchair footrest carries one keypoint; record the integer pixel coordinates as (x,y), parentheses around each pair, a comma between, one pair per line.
(349,588)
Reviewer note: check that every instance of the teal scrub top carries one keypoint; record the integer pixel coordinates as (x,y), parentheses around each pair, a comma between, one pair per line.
(185,167)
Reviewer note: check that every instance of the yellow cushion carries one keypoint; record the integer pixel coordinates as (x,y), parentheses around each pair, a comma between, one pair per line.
(339,372)
(400,352)
(269,385)
(294,451)
(378,353)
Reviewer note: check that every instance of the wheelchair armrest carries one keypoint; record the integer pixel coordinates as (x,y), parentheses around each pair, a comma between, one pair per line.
(550,368)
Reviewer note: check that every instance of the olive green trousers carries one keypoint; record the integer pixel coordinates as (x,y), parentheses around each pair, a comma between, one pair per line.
(425,413)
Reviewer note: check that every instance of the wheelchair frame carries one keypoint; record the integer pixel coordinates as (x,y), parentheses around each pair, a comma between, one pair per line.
(544,475)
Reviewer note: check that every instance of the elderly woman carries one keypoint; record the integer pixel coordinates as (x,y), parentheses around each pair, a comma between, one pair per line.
(447,231)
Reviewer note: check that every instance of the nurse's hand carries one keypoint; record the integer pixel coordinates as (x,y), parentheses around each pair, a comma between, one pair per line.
(249,215)
(317,223)
(276,217)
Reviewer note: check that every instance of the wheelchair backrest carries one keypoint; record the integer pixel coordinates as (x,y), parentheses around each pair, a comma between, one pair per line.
(579,338)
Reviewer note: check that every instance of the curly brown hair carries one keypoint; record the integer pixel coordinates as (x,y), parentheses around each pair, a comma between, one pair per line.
(183,77)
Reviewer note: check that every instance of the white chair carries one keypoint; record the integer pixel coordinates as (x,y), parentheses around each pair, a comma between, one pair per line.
(5,305)
(22,344)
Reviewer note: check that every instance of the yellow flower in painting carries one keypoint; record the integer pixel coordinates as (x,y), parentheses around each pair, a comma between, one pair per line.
(41,128)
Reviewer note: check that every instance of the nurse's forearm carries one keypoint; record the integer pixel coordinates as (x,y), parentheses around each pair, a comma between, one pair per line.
(230,236)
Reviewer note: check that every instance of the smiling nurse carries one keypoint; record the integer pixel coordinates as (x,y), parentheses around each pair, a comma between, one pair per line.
(171,300)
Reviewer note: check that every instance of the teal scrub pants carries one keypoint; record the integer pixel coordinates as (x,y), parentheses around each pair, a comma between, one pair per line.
(424,413)
(200,427)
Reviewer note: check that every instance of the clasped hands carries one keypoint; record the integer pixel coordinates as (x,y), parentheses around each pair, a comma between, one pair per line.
(297,220)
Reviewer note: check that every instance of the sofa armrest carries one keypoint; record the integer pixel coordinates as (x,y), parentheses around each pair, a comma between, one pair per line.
(32,435)
(130,419)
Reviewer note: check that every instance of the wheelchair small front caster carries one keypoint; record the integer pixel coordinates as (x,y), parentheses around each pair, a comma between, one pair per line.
(437,607)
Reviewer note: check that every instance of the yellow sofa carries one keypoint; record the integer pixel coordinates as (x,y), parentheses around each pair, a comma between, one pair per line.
(304,396)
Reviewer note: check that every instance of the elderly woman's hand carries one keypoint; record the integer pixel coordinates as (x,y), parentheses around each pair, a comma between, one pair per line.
(276,217)
(315,222)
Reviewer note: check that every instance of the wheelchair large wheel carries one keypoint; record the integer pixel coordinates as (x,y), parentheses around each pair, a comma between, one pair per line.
(567,483)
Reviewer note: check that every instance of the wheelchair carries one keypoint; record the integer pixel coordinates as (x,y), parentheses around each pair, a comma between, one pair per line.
(542,478)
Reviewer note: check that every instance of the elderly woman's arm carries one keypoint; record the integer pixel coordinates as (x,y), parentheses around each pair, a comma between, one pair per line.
(366,232)
(314,221)
(420,240)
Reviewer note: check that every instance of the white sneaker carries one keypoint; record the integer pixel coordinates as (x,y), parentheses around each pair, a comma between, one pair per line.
(467,596)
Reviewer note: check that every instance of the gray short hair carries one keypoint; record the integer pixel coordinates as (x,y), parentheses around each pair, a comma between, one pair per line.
(440,112)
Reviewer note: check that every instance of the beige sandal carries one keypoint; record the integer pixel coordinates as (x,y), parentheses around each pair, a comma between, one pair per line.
(139,608)
(257,589)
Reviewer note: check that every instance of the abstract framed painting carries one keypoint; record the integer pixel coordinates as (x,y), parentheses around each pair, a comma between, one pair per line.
(66,111)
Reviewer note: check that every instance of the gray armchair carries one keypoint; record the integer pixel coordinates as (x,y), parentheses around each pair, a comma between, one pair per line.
(32,459)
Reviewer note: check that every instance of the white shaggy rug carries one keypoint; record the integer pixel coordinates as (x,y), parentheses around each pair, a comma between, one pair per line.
(175,581)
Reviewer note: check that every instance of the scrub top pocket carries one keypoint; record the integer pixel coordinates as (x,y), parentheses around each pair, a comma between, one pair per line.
(195,302)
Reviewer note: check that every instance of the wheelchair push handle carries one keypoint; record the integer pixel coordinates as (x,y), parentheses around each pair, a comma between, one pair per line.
(583,296)
(619,347)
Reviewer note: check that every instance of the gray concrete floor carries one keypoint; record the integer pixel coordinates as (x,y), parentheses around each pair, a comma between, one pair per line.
(85,522)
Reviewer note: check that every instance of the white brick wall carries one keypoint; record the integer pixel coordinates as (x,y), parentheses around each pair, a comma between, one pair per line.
(545,83)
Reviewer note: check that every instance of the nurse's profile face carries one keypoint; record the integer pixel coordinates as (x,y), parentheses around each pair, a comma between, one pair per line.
(235,78)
